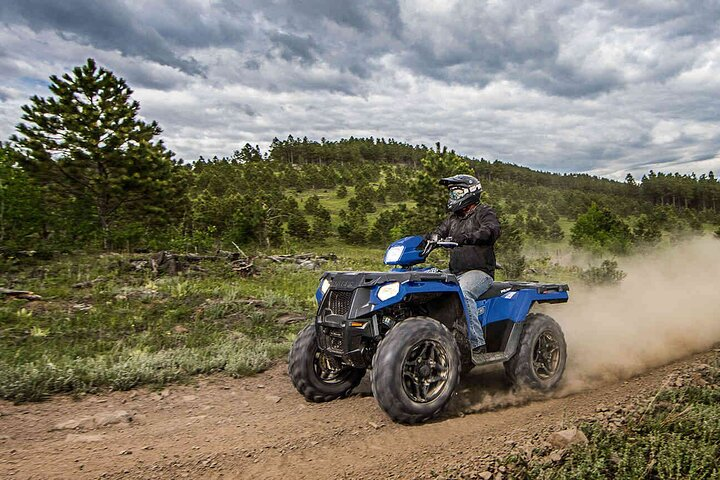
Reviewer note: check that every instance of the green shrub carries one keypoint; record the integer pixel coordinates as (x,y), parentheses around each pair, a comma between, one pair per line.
(676,436)
(607,273)
(599,229)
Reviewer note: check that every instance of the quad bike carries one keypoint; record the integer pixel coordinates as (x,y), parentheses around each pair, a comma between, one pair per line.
(409,326)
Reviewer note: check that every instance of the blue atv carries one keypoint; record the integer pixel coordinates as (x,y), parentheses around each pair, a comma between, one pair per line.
(409,326)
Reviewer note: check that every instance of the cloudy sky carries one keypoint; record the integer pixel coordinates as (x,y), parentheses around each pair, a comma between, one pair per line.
(606,87)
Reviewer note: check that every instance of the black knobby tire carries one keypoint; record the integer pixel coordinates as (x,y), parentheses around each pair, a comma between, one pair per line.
(410,345)
(305,367)
(540,359)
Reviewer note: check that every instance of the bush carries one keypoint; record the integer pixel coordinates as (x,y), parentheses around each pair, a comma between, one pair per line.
(606,274)
(647,231)
(599,229)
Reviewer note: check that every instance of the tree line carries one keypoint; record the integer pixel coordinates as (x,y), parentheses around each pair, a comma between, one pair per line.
(83,171)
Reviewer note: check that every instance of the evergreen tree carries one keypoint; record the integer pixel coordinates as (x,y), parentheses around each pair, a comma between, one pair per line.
(22,216)
(599,229)
(87,142)
(647,231)
(353,226)
(312,205)
(431,197)
(298,226)
(321,224)
(342,191)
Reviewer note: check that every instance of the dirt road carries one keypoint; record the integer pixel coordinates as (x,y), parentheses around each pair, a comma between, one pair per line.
(259,427)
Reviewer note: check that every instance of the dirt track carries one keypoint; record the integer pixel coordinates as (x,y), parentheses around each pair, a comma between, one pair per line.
(259,427)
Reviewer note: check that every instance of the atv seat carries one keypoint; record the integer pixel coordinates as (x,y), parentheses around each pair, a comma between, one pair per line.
(497,289)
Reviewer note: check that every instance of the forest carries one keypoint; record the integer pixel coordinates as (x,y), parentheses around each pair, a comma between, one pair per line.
(102,180)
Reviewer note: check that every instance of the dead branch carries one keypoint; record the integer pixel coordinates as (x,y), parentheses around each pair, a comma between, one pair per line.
(21,294)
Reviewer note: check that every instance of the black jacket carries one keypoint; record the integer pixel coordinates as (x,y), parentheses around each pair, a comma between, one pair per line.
(476,233)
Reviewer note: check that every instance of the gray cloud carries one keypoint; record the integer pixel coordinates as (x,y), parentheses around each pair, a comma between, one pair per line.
(294,47)
(105,25)
(600,86)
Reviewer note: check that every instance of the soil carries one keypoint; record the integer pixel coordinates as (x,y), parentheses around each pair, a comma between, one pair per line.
(260,427)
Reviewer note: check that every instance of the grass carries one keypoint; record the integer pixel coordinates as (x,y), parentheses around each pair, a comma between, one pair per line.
(125,328)
(328,199)
(130,328)
(676,436)
(129,368)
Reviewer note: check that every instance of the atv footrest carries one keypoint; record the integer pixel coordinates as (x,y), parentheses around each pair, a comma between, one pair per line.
(486,358)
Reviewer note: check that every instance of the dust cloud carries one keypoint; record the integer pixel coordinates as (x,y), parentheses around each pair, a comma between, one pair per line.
(666,308)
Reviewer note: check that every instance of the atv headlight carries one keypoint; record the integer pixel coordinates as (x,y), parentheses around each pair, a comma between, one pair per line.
(394,253)
(324,285)
(388,290)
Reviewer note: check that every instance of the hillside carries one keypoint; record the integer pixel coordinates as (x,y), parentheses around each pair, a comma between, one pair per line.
(378,189)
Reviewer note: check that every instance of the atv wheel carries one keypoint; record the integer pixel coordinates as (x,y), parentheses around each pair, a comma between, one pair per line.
(317,376)
(540,359)
(415,370)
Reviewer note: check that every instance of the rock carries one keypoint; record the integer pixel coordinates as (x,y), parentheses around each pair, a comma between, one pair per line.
(112,418)
(180,329)
(289,319)
(376,425)
(82,423)
(189,398)
(82,438)
(485,475)
(273,398)
(566,438)
(125,452)
(698,380)
(556,455)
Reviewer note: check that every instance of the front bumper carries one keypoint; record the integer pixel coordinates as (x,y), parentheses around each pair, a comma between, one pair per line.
(347,320)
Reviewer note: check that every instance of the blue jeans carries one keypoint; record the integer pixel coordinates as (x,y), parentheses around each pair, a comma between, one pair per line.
(473,284)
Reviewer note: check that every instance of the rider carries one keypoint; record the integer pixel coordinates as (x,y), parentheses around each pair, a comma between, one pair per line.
(475,228)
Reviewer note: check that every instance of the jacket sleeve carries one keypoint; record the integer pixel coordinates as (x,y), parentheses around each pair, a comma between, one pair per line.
(442,230)
(486,229)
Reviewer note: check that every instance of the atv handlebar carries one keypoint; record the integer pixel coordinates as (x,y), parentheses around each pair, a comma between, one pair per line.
(431,245)
(447,244)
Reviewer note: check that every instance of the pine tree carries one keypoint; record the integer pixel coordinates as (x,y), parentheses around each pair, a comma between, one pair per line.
(430,196)
(298,226)
(87,142)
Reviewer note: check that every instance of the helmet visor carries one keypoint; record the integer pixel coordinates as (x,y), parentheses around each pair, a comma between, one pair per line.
(456,193)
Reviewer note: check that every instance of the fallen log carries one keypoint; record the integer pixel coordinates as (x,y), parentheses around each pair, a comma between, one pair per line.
(21,294)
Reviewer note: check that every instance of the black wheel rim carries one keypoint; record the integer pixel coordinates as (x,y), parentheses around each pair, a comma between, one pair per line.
(546,355)
(328,369)
(425,371)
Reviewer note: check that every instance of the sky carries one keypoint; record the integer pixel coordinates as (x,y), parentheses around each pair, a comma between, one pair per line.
(603,87)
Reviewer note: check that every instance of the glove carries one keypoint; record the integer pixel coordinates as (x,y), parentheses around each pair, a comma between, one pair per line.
(430,244)
(460,239)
